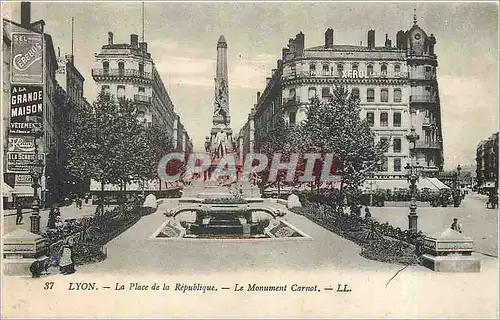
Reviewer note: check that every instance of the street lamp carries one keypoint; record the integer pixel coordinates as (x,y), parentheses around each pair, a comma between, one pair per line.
(36,173)
(412,177)
(456,189)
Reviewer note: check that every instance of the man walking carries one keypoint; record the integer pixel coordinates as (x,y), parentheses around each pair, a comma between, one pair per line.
(19,213)
(456,226)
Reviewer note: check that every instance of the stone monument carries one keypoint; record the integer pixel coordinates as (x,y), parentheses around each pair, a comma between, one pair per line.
(20,249)
(450,251)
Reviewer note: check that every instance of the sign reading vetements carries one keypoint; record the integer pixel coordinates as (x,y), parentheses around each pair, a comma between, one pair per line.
(26,109)
(27,58)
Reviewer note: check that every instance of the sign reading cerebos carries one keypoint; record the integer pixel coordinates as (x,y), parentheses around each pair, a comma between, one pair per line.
(26,109)
(27,58)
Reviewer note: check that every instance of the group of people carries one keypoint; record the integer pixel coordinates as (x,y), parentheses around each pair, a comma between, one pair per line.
(54,220)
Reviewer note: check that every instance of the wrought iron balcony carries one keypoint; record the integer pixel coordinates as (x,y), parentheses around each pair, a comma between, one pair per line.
(423,98)
(428,123)
(100,72)
(142,98)
(427,144)
(291,101)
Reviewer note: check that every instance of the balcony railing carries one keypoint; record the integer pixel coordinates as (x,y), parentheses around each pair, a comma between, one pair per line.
(99,72)
(423,98)
(347,74)
(291,101)
(422,76)
(428,122)
(142,98)
(427,145)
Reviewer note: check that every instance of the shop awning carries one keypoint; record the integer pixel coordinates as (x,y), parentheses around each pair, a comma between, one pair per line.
(6,190)
(423,183)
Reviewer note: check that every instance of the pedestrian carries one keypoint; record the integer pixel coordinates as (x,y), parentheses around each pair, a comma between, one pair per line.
(51,223)
(19,213)
(86,198)
(66,264)
(456,226)
(79,202)
(368,215)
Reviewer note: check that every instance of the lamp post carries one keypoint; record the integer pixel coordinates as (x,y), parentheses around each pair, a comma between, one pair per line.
(456,188)
(36,173)
(412,177)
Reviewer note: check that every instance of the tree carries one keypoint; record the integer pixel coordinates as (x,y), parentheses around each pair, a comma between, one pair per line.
(107,143)
(335,127)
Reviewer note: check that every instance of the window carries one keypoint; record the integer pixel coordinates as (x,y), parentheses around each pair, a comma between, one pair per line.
(396,145)
(397,69)
(355,93)
(312,92)
(397,95)
(384,119)
(340,68)
(292,118)
(355,67)
(397,165)
(141,90)
(326,69)
(105,67)
(325,92)
(141,69)
(370,95)
(396,119)
(105,88)
(383,70)
(428,69)
(291,93)
(384,95)
(293,69)
(312,69)
(369,70)
(120,93)
(385,165)
(370,118)
(121,68)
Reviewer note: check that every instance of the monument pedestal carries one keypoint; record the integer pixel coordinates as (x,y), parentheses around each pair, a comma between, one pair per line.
(450,251)
(20,249)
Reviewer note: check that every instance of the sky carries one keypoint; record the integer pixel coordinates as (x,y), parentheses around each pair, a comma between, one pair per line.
(182,39)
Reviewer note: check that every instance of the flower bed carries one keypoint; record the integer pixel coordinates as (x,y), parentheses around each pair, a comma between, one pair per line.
(90,234)
(380,242)
(225,201)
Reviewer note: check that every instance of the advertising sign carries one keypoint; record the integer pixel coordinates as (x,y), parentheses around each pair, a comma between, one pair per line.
(27,58)
(26,109)
(22,162)
(23,180)
(21,144)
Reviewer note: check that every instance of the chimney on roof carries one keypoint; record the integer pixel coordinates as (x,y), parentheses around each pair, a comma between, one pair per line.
(134,41)
(143,46)
(299,43)
(25,14)
(70,58)
(400,39)
(110,38)
(284,52)
(268,79)
(371,39)
(258,96)
(329,38)
(387,43)
(279,63)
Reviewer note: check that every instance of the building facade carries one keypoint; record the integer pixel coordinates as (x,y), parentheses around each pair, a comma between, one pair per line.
(127,70)
(487,163)
(396,85)
(49,142)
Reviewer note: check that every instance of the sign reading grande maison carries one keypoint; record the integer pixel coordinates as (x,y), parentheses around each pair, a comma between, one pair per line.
(26,109)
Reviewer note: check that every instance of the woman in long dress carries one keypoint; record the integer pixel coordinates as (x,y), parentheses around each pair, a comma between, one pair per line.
(66,264)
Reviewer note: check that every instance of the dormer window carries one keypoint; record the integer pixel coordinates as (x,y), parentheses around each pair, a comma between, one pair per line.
(340,68)
(105,67)
(326,69)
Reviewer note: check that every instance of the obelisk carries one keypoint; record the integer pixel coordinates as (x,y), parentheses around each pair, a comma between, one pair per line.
(221,140)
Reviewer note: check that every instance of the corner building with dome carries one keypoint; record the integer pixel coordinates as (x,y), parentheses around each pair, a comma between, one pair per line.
(396,84)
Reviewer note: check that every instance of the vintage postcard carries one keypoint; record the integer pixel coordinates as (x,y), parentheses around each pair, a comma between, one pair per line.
(249,159)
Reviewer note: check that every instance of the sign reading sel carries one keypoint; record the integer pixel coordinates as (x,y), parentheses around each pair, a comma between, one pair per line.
(27,58)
